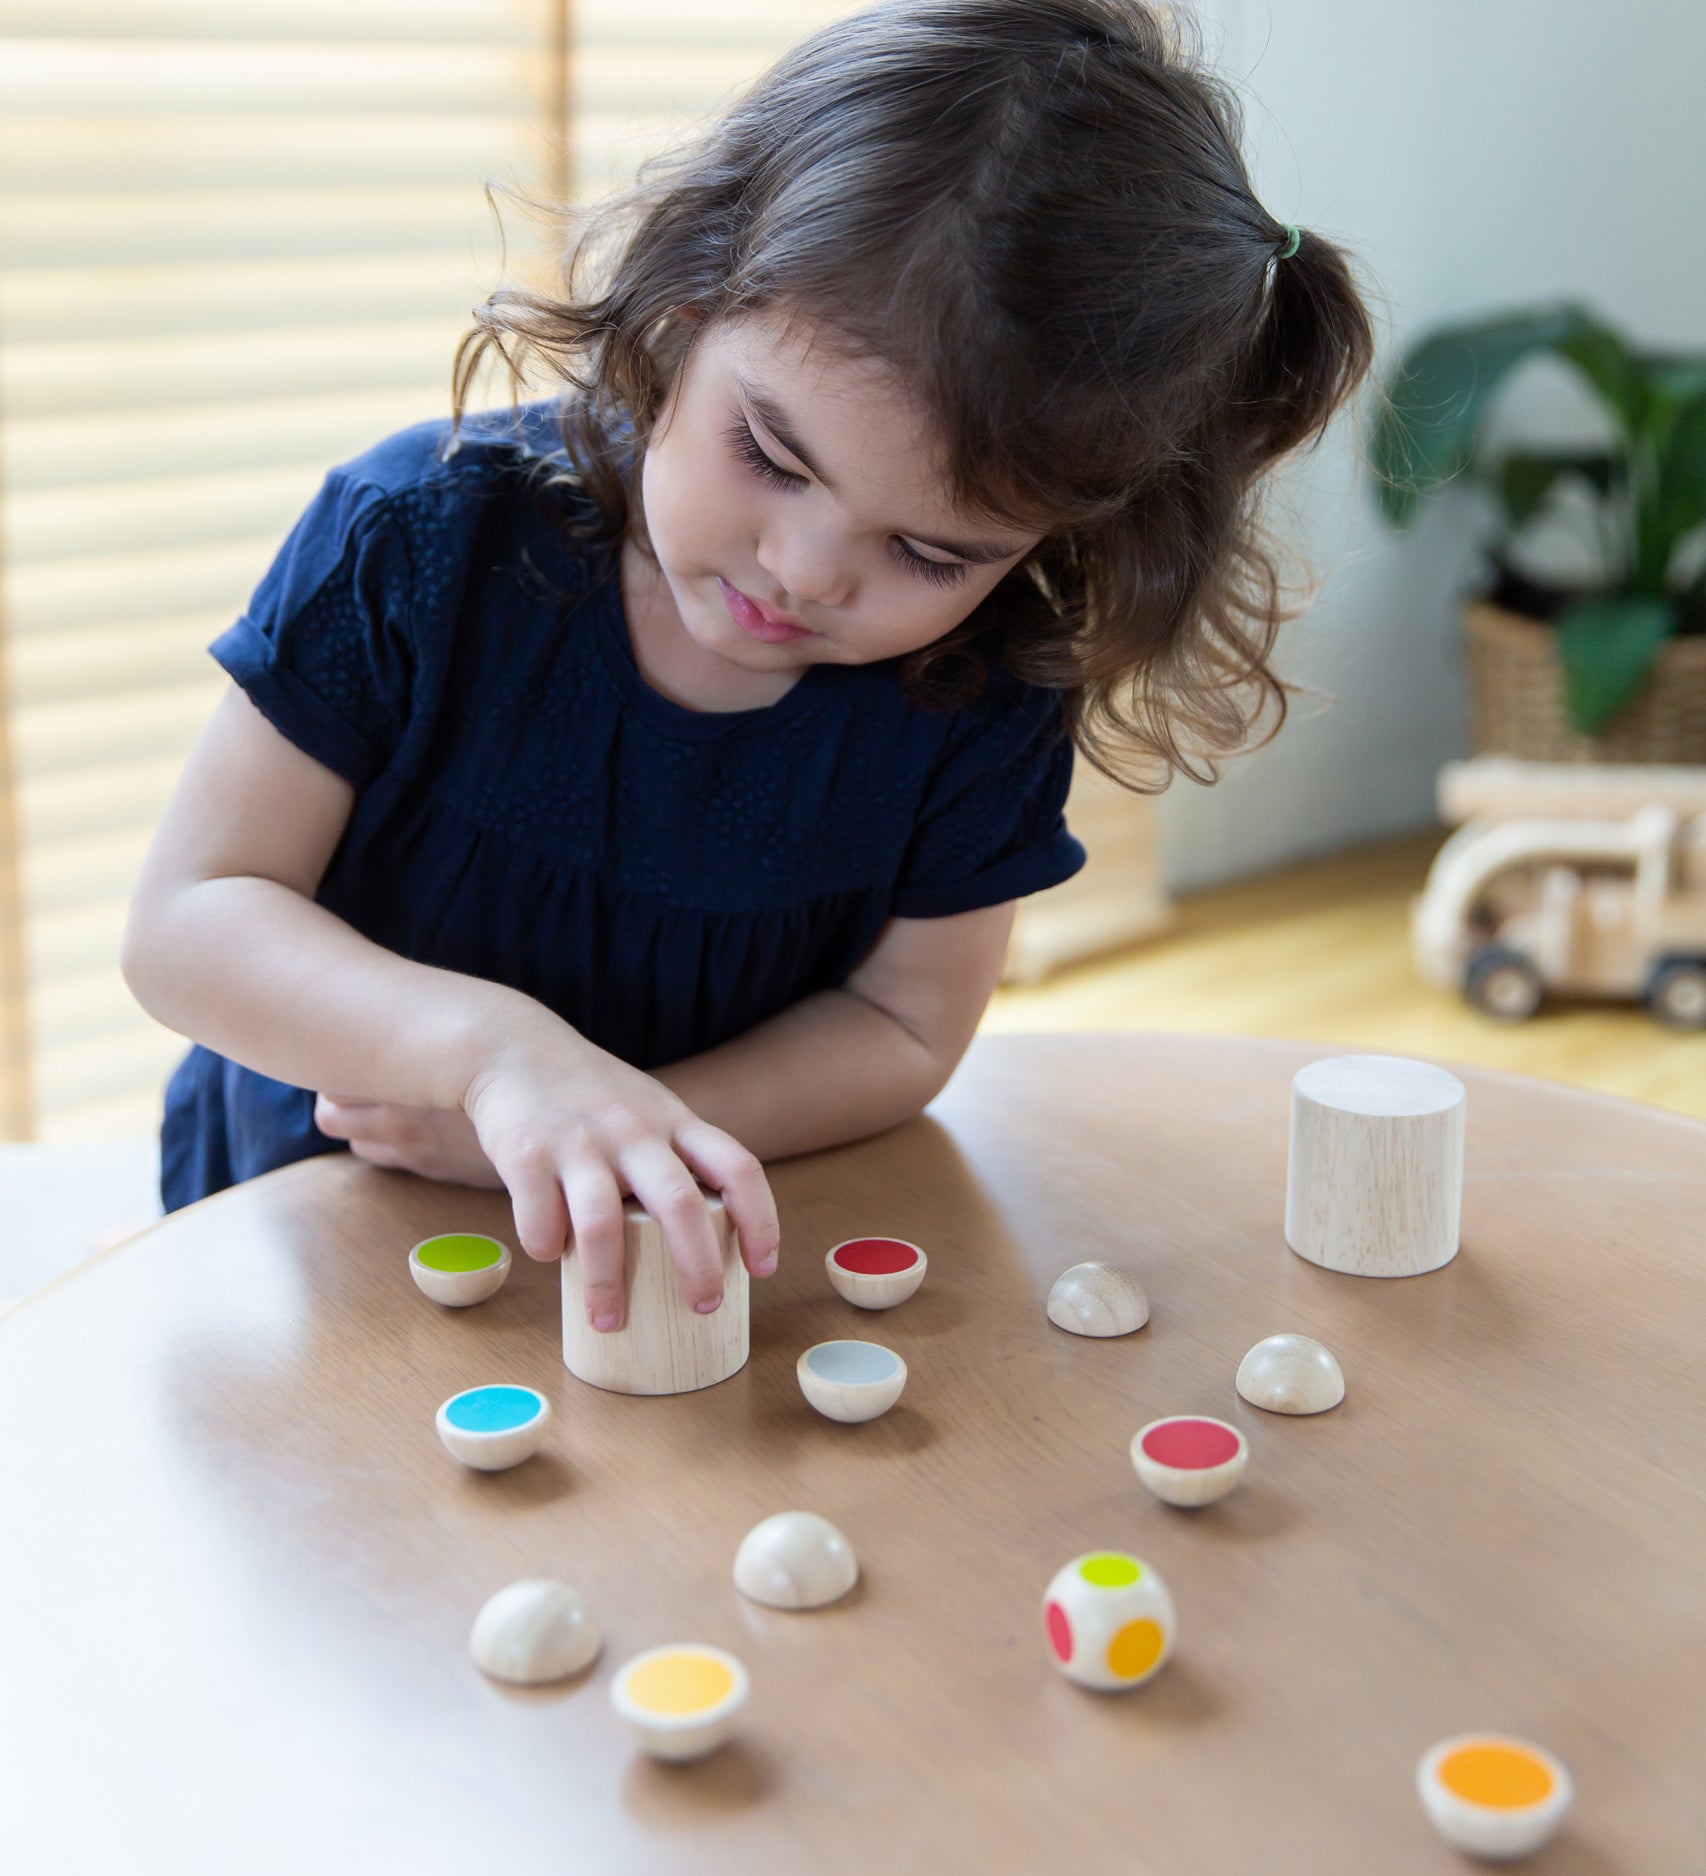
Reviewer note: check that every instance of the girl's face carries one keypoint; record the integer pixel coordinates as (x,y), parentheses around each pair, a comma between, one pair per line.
(794,503)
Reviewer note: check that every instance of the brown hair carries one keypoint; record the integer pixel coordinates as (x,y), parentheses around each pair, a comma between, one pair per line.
(1037,212)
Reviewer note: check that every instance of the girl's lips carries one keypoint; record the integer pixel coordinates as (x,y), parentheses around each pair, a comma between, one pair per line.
(751,617)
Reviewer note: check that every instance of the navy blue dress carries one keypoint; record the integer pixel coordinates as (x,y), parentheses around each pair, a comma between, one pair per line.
(529,810)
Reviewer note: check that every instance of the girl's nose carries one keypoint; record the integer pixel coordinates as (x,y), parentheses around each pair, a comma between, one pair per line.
(807,566)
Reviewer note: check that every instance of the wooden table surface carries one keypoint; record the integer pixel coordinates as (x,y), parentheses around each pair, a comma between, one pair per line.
(237,1571)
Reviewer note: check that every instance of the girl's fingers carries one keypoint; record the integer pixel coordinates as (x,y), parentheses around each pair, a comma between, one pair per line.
(671,1194)
(595,1223)
(364,1124)
(721,1161)
(376,1153)
(536,1197)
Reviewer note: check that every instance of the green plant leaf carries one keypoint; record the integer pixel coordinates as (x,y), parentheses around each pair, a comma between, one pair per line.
(1433,401)
(1609,365)
(1678,377)
(1679,497)
(1526,478)
(1607,647)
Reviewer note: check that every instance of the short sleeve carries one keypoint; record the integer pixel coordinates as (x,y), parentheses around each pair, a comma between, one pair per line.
(323,648)
(993,825)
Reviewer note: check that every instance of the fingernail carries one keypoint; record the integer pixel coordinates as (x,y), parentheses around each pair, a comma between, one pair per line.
(710,1303)
(766,1266)
(607,1320)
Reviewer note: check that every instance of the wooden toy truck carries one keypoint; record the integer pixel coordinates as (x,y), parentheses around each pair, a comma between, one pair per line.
(1567,878)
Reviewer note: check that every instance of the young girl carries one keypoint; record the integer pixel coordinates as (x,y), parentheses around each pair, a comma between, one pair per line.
(633,787)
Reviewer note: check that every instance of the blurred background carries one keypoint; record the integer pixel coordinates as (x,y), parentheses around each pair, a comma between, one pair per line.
(238,243)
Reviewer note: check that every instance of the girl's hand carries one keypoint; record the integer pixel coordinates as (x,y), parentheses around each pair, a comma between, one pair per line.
(571,1129)
(431,1141)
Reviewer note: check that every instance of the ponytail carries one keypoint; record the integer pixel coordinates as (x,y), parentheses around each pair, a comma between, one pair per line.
(1312,349)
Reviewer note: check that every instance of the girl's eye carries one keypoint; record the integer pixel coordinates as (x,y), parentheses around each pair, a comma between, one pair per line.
(942,572)
(746,447)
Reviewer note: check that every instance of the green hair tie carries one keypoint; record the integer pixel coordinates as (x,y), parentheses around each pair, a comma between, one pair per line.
(1293,241)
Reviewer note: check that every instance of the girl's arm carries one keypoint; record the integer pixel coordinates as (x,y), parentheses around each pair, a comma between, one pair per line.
(225,944)
(845,1063)
(835,1066)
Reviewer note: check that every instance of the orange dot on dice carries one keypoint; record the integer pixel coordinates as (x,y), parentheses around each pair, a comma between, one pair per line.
(1136,1648)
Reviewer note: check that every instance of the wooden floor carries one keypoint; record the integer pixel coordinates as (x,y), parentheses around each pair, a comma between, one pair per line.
(1321,952)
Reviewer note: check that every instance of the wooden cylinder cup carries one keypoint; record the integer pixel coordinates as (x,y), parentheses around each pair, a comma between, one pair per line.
(1374,1185)
(663,1346)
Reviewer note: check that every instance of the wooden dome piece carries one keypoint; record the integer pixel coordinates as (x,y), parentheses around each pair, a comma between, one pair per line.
(534,1631)
(795,1560)
(1291,1374)
(1097,1299)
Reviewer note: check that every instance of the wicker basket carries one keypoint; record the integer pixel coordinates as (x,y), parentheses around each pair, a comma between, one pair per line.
(1516,695)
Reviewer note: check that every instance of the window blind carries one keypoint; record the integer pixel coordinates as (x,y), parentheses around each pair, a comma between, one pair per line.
(237,244)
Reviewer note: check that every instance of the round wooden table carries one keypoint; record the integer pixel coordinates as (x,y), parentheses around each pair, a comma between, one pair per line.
(238,1570)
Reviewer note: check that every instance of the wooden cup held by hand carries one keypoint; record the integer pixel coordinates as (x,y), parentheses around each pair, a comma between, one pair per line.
(663,1346)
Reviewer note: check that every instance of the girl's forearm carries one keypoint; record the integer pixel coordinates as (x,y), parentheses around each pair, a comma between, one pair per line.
(269,979)
(273,981)
(831,1068)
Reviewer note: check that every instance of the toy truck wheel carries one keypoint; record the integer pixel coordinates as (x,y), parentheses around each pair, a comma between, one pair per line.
(1503,984)
(1677,993)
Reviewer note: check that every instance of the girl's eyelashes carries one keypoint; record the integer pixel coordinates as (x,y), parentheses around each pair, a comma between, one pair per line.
(746,447)
(942,572)
(751,452)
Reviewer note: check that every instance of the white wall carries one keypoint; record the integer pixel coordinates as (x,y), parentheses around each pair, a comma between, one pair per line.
(1476,155)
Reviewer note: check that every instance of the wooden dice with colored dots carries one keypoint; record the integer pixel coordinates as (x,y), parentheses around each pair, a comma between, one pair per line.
(1493,1797)
(876,1273)
(1108,1620)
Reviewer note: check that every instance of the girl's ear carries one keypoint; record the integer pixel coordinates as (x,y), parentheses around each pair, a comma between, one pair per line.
(691,314)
